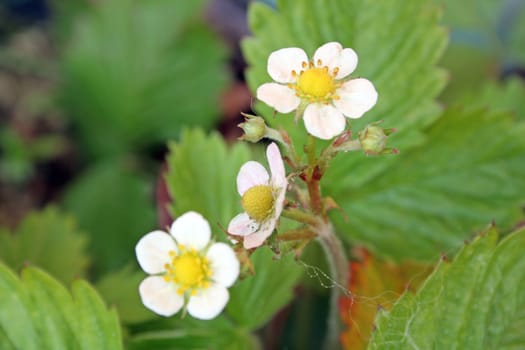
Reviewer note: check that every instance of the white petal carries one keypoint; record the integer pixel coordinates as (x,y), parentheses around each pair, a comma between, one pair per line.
(224,264)
(357,96)
(276,166)
(256,239)
(153,251)
(242,225)
(323,121)
(280,97)
(160,296)
(334,56)
(279,203)
(192,230)
(251,173)
(283,61)
(209,302)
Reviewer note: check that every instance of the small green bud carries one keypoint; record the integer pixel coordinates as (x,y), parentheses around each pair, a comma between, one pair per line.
(373,140)
(254,128)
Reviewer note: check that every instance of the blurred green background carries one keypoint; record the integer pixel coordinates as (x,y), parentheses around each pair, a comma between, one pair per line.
(91,92)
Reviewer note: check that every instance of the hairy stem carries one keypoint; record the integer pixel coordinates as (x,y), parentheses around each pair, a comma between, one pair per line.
(315,196)
(299,216)
(339,271)
(312,178)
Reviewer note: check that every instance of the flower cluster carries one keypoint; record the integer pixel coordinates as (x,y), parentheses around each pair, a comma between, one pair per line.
(190,272)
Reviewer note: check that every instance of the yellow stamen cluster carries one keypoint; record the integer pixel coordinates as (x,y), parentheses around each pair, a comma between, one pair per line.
(316,83)
(189,270)
(258,202)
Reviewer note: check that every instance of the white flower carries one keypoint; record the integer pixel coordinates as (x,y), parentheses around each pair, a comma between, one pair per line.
(319,86)
(187,270)
(262,199)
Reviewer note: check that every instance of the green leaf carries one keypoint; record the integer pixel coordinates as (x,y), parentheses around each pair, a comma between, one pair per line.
(398,44)
(469,68)
(478,16)
(48,239)
(189,333)
(142,70)
(256,299)
(506,96)
(469,172)
(203,338)
(120,289)
(474,302)
(116,207)
(39,313)
(201,176)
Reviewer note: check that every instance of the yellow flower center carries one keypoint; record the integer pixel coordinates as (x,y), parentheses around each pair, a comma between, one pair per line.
(316,83)
(189,270)
(258,202)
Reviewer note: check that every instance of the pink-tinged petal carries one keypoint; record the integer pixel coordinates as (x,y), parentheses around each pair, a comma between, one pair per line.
(160,296)
(153,251)
(357,96)
(252,173)
(209,302)
(282,62)
(280,97)
(323,121)
(275,161)
(224,264)
(279,203)
(242,225)
(257,239)
(191,230)
(334,56)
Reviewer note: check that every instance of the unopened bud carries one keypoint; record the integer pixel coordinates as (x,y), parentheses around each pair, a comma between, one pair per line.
(254,128)
(373,139)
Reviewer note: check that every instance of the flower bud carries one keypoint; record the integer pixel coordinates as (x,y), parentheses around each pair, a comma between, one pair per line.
(254,128)
(373,139)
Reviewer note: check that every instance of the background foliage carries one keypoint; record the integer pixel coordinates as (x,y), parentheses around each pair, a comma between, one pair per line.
(474,301)
(94,96)
(39,313)
(138,67)
(48,239)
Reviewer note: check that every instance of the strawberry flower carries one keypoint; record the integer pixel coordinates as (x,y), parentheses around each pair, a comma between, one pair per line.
(262,199)
(319,87)
(187,270)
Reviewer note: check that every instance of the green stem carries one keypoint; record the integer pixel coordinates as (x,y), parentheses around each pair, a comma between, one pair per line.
(337,262)
(339,271)
(315,196)
(310,150)
(297,235)
(353,145)
(313,177)
(300,216)
(275,135)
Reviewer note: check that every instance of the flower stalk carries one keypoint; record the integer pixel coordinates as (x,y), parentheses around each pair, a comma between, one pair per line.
(313,176)
(338,264)
(300,216)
